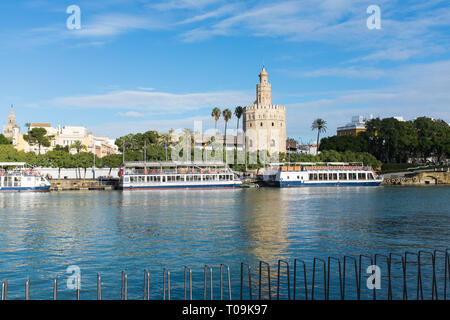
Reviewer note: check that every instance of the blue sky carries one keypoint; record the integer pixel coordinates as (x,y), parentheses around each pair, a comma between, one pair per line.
(138,65)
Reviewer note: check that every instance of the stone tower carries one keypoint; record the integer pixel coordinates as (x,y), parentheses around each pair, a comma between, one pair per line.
(11,130)
(264,122)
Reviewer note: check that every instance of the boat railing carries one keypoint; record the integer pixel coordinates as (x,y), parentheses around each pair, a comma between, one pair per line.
(314,168)
(19,173)
(178,171)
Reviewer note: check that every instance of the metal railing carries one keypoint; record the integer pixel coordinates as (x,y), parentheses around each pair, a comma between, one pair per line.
(419,271)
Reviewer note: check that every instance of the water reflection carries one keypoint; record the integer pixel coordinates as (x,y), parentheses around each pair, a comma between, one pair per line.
(42,234)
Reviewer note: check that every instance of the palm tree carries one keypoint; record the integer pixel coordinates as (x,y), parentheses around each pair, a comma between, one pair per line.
(216,115)
(78,145)
(238,113)
(321,126)
(227,114)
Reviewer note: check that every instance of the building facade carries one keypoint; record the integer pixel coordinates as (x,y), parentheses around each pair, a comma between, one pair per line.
(63,136)
(353,128)
(265,123)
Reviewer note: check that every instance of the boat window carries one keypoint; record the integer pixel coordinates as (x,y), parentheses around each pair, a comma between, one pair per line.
(369,176)
(325,176)
(334,176)
(342,176)
(361,176)
(298,177)
(315,176)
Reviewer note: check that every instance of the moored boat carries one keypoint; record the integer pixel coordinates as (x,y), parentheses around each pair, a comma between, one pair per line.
(320,174)
(21,179)
(176,175)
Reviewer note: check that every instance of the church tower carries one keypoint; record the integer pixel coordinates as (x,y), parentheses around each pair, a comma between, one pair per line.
(11,117)
(264,122)
(11,130)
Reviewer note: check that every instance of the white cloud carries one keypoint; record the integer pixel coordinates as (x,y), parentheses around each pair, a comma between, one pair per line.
(117,129)
(417,90)
(131,114)
(350,72)
(157,102)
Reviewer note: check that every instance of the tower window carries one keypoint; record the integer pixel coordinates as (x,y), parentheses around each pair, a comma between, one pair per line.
(273,124)
(261,124)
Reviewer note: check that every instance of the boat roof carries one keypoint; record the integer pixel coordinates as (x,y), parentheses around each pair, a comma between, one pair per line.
(316,163)
(143,164)
(13,164)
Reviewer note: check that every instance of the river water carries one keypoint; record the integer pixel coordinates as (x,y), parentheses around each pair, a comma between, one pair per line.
(105,232)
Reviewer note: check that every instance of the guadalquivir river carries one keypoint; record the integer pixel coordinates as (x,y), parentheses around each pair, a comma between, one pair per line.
(41,235)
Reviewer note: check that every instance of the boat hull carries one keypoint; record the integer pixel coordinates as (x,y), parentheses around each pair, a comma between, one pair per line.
(25,189)
(295,184)
(185,187)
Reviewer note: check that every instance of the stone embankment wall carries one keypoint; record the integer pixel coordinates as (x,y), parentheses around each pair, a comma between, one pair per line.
(422,178)
(65,185)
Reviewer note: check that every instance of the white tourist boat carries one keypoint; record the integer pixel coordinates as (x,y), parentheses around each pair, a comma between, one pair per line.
(21,179)
(320,174)
(176,175)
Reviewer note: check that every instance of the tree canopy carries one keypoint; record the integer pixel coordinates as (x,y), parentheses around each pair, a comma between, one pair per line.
(391,140)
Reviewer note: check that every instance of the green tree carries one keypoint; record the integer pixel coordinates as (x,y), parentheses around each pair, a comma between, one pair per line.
(216,115)
(84,160)
(4,140)
(60,159)
(227,114)
(238,112)
(321,126)
(78,146)
(111,161)
(344,143)
(37,136)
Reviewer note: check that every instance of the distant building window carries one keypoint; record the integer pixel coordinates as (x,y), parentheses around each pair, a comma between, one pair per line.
(250,143)
(272,143)
(273,124)
(261,124)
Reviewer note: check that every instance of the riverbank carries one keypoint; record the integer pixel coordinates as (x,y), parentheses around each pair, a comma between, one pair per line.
(417,178)
(77,184)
